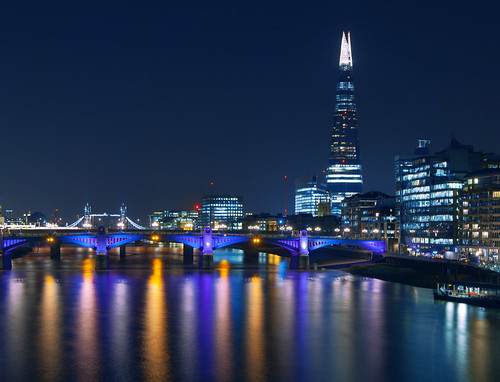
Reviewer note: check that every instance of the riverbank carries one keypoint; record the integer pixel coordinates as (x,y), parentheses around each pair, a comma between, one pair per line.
(422,273)
(396,273)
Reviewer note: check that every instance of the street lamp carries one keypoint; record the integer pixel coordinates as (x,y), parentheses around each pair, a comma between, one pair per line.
(346,231)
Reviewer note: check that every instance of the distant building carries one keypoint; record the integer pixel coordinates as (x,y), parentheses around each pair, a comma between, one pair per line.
(309,193)
(427,187)
(222,212)
(370,216)
(263,222)
(174,220)
(479,207)
(343,175)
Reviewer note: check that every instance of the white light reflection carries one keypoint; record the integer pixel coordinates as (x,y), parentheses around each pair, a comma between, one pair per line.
(120,327)
(188,316)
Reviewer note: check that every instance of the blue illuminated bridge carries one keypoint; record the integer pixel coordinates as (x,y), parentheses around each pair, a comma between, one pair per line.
(206,242)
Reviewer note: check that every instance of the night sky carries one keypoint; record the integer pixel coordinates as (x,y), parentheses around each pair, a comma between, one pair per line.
(147,102)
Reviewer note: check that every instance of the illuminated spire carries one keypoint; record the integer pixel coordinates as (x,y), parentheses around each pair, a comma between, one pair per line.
(345,51)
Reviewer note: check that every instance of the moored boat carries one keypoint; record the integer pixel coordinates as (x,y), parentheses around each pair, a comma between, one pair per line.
(473,293)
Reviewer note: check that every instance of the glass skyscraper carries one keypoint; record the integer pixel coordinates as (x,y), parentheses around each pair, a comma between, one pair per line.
(309,193)
(343,175)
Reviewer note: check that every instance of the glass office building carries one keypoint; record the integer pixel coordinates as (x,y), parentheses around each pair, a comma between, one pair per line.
(479,206)
(427,187)
(343,174)
(309,193)
(222,212)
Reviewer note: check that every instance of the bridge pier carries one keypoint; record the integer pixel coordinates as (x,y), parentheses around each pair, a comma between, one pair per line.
(102,255)
(207,250)
(187,253)
(6,261)
(303,258)
(55,249)
(123,251)
(251,256)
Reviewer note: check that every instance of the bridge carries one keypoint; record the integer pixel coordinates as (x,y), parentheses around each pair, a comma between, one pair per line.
(102,241)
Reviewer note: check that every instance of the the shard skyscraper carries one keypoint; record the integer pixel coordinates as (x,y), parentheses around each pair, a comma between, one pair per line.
(343,174)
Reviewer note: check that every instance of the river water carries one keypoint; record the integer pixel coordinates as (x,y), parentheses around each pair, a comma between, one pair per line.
(154,319)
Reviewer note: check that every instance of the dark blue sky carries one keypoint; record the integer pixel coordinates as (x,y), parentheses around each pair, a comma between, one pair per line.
(147,102)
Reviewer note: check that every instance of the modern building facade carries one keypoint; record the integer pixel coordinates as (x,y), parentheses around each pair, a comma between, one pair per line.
(222,212)
(309,193)
(174,220)
(427,187)
(479,217)
(344,175)
(370,216)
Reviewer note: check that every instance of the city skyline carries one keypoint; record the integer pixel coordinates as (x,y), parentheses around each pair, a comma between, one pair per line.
(148,104)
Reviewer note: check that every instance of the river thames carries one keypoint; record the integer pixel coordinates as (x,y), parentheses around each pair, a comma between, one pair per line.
(151,318)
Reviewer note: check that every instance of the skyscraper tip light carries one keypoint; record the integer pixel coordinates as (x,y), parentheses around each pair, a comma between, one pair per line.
(345,51)
(343,174)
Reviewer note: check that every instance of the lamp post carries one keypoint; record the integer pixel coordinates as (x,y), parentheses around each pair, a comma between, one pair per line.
(346,232)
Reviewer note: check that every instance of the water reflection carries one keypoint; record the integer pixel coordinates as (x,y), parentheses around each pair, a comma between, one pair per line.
(120,329)
(87,345)
(50,341)
(155,348)
(254,330)
(234,323)
(224,352)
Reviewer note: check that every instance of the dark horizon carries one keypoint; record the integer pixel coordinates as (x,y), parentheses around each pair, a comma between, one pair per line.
(147,104)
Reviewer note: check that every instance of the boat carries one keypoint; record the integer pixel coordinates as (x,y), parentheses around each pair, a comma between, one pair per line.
(468,292)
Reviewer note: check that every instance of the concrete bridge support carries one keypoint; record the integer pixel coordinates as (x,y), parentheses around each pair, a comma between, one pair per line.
(251,255)
(187,252)
(303,261)
(207,250)
(123,251)
(55,249)
(5,261)
(102,255)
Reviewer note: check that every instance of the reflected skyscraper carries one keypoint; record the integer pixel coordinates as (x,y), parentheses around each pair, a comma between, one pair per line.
(343,174)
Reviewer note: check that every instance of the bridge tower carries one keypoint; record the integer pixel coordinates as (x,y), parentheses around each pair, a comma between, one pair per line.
(207,250)
(87,220)
(123,216)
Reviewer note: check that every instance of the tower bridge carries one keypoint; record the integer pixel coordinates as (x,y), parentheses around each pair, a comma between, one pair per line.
(93,220)
(103,240)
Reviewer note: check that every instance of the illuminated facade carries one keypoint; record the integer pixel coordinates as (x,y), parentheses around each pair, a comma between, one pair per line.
(427,188)
(370,216)
(309,193)
(222,212)
(479,207)
(343,174)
